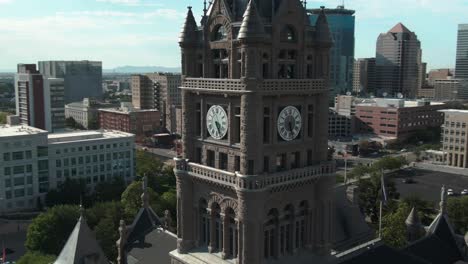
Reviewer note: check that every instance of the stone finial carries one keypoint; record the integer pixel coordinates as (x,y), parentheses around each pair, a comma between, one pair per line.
(443,200)
(121,242)
(413,218)
(144,195)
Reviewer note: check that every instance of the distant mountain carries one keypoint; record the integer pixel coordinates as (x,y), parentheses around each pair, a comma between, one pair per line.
(141,69)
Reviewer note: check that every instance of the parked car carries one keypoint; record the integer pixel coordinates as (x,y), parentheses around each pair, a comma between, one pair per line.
(450,192)
(464,192)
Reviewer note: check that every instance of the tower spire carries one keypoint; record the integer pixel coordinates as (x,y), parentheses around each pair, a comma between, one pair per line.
(189,30)
(443,200)
(252,26)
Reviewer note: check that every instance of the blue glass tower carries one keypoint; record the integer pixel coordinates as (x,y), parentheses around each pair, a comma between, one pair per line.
(341,22)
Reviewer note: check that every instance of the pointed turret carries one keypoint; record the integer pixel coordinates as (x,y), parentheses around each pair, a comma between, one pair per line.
(252,27)
(81,246)
(189,31)
(413,226)
(323,34)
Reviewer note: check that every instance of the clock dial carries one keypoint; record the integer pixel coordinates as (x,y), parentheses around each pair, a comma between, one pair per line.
(289,123)
(217,122)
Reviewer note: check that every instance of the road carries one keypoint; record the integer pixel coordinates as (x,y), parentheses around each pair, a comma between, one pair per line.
(163,154)
(428,184)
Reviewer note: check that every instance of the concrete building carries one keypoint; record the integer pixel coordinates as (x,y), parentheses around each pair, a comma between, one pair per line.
(86,112)
(39,99)
(168,97)
(339,126)
(398,62)
(364,76)
(455,137)
(446,89)
(439,74)
(145,94)
(426,92)
(397,118)
(341,22)
(253,177)
(461,67)
(33,162)
(142,123)
(83,79)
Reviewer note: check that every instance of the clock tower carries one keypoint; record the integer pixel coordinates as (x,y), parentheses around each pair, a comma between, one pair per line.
(253,183)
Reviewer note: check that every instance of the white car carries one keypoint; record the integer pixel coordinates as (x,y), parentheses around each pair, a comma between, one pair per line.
(450,192)
(464,192)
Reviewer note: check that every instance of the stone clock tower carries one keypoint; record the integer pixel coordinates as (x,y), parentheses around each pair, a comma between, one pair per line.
(254,184)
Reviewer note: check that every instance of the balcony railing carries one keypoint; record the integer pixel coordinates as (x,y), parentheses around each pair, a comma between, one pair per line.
(266,86)
(257,182)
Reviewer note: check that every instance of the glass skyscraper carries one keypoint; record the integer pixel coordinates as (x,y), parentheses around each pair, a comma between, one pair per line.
(341,22)
(461,67)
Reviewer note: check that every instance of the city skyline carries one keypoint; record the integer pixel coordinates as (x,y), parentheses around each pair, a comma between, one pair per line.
(144,32)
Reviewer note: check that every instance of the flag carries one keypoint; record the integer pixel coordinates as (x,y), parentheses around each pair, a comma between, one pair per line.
(382,189)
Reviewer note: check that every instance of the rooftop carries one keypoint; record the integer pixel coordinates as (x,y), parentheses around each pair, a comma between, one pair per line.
(66,137)
(454,111)
(20,130)
(126,110)
(399,28)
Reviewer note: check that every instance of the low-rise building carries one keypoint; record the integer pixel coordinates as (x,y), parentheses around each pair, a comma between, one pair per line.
(86,112)
(397,118)
(32,162)
(142,123)
(339,126)
(455,137)
(446,89)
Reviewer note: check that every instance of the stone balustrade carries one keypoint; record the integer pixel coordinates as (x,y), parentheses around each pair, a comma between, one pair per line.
(235,85)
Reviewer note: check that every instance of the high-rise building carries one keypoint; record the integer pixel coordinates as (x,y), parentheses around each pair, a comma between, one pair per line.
(341,22)
(455,137)
(364,76)
(83,79)
(461,67)
(254,184)
(32,162)
(143,93)
(398,62)
(39,99)
(169,98)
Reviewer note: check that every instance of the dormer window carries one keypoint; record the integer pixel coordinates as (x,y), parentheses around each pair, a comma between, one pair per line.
(288,34)
(219,33)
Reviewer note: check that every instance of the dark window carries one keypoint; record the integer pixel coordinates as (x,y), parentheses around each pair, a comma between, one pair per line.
(280,162)
(198,155)
(266,125)
(237,130)
(223,161)
(237,163)
(266,164)
(198,124)
(296,160)
(310,121)
(210,158)
(219,33)
(250,167)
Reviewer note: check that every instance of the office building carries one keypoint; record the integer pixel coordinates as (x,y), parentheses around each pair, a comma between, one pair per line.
(341,22)
(86,112)
(439,74)
(397,118)
(461,66)
(142,123)
(39,99)
(82,79)
(455,137)
(426,92)
(398,63)
(34,162)
(168,95)
(446,89)
(145,94)
(364,76)
(339,126)
(254,137)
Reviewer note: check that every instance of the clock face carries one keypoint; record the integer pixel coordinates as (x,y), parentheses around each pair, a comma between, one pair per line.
(217,122)
(289,123)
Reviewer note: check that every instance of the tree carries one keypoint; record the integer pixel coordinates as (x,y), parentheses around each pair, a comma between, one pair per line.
(72,191)
(457,208)
(424,208)
(110,191)
(49,231)
(394,227)
(71,123)
(370,194)
(36,258)
(93,123)
(389,163)
(3,118)
(358,171)
(131,198)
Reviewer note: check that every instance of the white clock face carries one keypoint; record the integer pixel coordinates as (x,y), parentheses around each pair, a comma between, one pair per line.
(217,122)
(289,123)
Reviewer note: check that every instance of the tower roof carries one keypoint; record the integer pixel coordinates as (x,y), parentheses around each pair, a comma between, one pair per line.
(252,26)
(81,247)
(413,218)
(189,30)
(323,30)
(399,28)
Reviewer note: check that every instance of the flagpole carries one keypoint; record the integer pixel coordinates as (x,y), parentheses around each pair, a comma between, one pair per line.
(380,220)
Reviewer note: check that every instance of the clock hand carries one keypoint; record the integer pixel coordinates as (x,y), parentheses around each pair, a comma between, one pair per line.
(290,126)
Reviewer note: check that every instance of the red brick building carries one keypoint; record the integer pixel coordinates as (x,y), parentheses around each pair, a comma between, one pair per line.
(397,118)
(142,123)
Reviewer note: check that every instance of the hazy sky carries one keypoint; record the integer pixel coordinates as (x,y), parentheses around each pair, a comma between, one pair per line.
(145,32)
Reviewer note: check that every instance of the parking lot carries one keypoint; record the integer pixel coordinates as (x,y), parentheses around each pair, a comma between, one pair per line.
(428,183)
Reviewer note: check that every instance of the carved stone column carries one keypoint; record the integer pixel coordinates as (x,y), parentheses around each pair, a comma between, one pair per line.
(212,246)
(187,117)
(185,223)
(226,241)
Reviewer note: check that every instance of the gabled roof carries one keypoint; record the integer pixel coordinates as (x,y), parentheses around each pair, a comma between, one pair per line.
(383,254)
(252,26)
(399,28)
(81,247)
(145,222)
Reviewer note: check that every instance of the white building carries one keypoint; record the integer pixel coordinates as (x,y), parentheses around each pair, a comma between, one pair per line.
(33,162)
(81,112)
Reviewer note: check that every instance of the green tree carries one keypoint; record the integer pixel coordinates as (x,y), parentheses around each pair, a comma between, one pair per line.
(36,258)
(71,191)
(394,227)
(131,198)
(370,193)
(93,123)
(457,208)
(110,191)
(389,163)
(358,171)
(3,118)
(49,231)
(424,208)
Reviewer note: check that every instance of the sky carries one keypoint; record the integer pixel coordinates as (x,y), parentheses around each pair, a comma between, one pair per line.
(145,32)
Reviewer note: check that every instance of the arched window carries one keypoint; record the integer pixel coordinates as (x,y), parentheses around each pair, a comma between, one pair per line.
(218,227)
(219,33)
(288,34)
(204,223)
(301,224)
(286,231)
(233,233)
(270,230)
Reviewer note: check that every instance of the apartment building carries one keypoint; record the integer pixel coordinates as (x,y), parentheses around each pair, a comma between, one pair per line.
(455,137)
(34,162)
